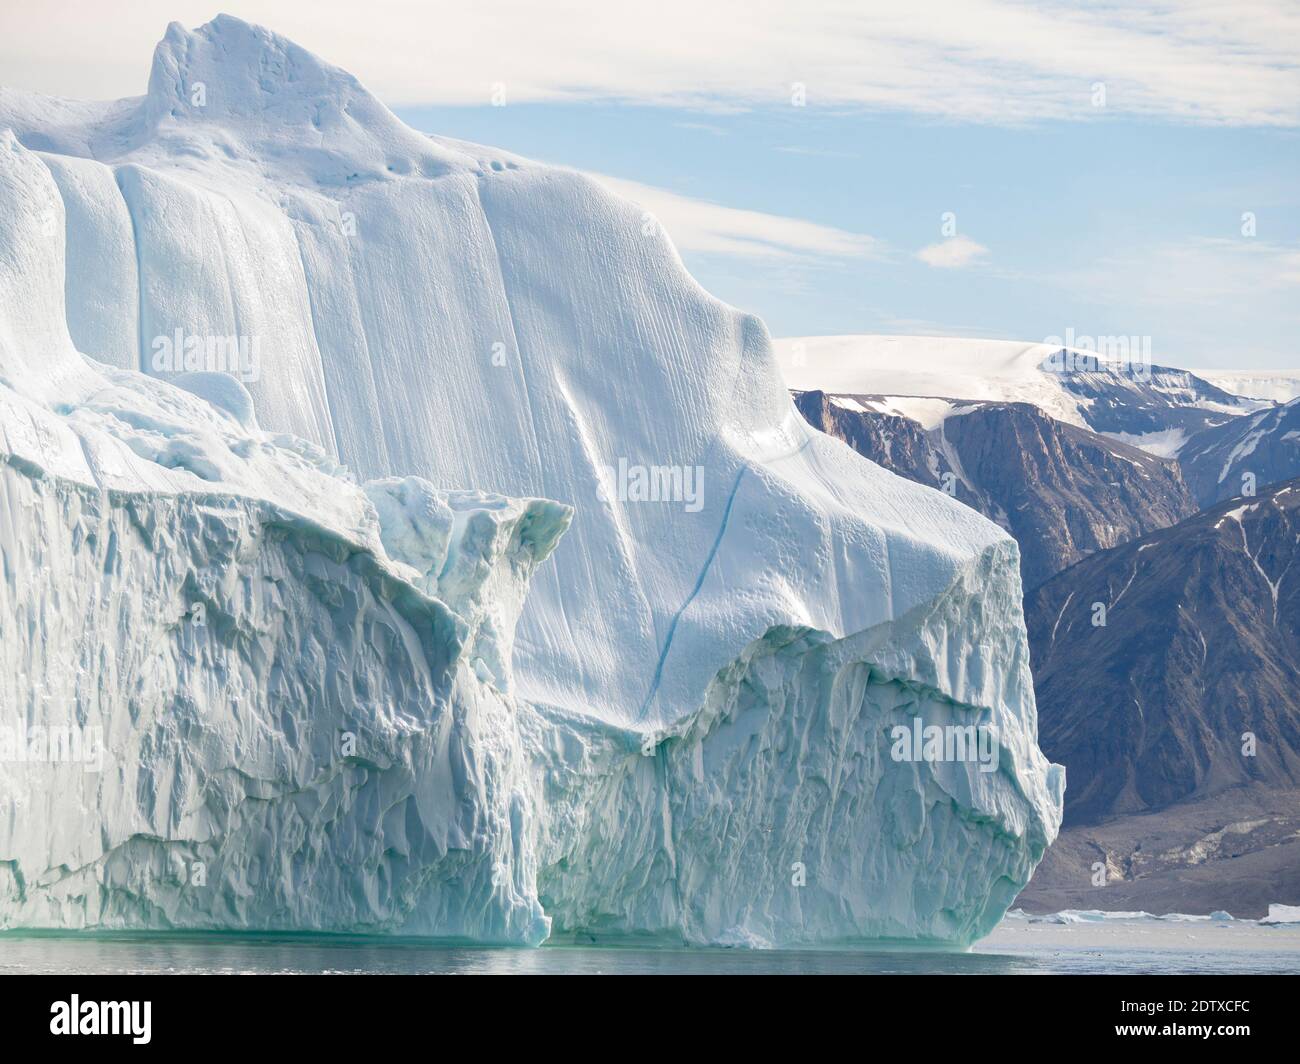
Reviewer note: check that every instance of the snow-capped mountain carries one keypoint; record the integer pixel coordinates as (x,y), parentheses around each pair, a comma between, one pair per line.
(1244,454)
(1119,392)
(1062,491)
(688,731)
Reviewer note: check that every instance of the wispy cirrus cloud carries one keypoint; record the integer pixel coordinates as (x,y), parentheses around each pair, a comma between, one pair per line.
(709,228)
(1000,61)
(1197,271)
(823,153)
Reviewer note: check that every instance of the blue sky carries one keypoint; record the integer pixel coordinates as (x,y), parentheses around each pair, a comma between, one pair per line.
(1119,219)
(1108,227)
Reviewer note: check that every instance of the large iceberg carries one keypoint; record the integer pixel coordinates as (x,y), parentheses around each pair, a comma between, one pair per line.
(264,353)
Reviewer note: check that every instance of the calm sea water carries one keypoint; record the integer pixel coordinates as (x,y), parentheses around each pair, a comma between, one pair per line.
(1017,946)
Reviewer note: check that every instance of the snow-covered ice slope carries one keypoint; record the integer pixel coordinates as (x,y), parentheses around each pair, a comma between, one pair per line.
(704,674)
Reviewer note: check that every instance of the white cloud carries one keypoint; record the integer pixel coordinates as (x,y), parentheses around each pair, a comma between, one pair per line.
(824,153)
(1214,61)
(892,325)
(1200,271)
(699,226)
(953,253)
(702,127)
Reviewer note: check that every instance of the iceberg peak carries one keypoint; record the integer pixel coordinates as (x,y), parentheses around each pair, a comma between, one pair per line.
(233,95)
(229,67)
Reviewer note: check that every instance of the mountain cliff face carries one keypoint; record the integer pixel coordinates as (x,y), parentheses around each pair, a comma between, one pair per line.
(1244,454)
(1063,492)
(686,734)
(1200,651)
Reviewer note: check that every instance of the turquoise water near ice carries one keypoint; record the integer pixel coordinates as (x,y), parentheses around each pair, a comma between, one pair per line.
(1028,949)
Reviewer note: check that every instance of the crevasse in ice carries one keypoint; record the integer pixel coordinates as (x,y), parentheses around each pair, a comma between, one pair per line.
(343,686)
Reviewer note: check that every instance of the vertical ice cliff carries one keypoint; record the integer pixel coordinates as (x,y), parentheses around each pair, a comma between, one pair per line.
(683,730)
(225,702)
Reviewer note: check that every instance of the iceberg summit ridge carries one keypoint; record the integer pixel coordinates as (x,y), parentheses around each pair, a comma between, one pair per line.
(414,705)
